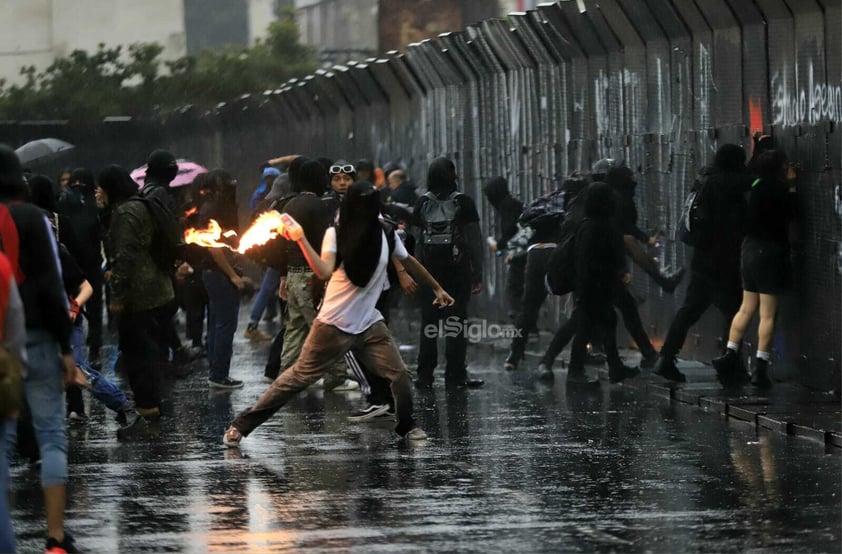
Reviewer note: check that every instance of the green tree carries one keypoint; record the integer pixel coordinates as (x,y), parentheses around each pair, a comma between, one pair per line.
(84,87)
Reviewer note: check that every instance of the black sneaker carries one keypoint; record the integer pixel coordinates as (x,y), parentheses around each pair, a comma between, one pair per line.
(136,430)
(761,374)
(730,371)
(227,384)
(622,372)
(423,384)
(667,369)
(66,546)
(545,372)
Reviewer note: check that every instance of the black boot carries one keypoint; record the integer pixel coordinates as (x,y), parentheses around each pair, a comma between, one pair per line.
(515,353)
(761,374)
(729,371)
(667,369)
(617,373)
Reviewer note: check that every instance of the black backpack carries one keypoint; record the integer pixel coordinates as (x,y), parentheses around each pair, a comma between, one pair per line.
(561,266)
(696,224)
(167,239)
(441,232)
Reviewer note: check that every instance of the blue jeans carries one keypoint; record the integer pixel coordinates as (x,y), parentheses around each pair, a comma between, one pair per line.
(268,293)
(223,310)
(101,388)
(7,532)
(44,388)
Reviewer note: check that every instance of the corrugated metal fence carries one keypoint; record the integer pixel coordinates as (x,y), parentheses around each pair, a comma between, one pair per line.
(659,83)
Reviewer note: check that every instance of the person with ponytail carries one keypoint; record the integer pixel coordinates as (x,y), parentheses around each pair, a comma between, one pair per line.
(354,256)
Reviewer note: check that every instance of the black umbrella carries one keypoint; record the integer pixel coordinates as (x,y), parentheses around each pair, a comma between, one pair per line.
(41,148)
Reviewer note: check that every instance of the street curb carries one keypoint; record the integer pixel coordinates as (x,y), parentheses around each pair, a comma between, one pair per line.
(786,418)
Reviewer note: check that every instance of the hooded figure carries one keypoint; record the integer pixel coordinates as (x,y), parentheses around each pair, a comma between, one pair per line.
(293,171)
(42,192)
(508,209)
(441,177)
(621,179)
(715,266)
(458,269)
(600,256)
(78,204)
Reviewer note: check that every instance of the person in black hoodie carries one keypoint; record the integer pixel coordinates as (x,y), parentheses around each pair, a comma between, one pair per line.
(508,210)
(599,266)
(458,269)
(78,204)
(715,264)
(764,265)
(622,180)
(50,365)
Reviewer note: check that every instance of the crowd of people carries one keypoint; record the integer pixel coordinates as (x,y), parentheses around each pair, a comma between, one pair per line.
(354,238)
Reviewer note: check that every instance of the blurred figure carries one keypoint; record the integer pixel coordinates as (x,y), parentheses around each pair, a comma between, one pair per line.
(399,190)
(78,204)
(267,178)
(12,358)
(508,211)
(50,364)
(365,170)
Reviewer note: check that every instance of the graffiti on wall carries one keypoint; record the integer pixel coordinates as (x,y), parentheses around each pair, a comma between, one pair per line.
(801,103)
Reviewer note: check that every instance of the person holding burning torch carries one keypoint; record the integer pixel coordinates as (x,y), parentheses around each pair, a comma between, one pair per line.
(354,256)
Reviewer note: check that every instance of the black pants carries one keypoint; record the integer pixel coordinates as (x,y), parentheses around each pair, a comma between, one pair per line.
(193,299)
(515,283)
(93,310)
(276,351)
(594,316)
(457,282)
(143,338)
(625,302)
(701,293)
(534,294)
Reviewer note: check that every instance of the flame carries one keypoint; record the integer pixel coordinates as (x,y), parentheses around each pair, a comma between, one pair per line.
(207,238)
(265,228)
(191,211)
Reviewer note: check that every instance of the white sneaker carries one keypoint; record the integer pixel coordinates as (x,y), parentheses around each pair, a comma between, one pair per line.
(320,384)
(369,413)
(348,385)
(416,434)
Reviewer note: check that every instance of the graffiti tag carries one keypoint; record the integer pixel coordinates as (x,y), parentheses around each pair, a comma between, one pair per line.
(816,102)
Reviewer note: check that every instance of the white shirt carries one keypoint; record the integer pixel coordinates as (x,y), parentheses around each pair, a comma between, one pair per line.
(348,307)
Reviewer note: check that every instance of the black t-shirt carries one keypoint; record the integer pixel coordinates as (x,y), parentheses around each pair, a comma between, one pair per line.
(71,274)
(315,216)
(770,207)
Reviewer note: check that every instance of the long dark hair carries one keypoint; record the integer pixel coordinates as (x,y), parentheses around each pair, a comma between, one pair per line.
(359,237)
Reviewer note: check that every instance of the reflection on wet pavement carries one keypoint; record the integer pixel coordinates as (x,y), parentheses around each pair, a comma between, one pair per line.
(516,466)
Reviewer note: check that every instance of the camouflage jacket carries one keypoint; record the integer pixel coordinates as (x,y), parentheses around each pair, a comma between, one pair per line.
(136,280)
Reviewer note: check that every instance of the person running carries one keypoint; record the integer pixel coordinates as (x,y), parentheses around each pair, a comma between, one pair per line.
(354,256)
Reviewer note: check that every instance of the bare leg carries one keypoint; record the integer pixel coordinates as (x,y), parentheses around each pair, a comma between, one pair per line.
(766,330)
(54,501)
(744,315)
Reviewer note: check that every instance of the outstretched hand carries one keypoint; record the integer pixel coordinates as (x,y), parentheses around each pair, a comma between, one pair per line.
(443,300)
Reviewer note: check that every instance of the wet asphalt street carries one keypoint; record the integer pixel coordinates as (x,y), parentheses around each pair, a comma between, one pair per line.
(517,466)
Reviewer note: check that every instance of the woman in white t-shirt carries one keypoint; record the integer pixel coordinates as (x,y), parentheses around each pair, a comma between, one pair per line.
(354,256)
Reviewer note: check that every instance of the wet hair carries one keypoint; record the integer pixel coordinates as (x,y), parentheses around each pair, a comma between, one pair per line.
(312,177)
(771,164)
(117,184)
(496,190)
(441,177)
(621,178)
(359,236)
(42,192)
(84,176)
(326,162)
(293,171)
(600,200)
(730,157)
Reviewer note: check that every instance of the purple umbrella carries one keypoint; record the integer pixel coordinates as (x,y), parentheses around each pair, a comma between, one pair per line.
(187,171)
